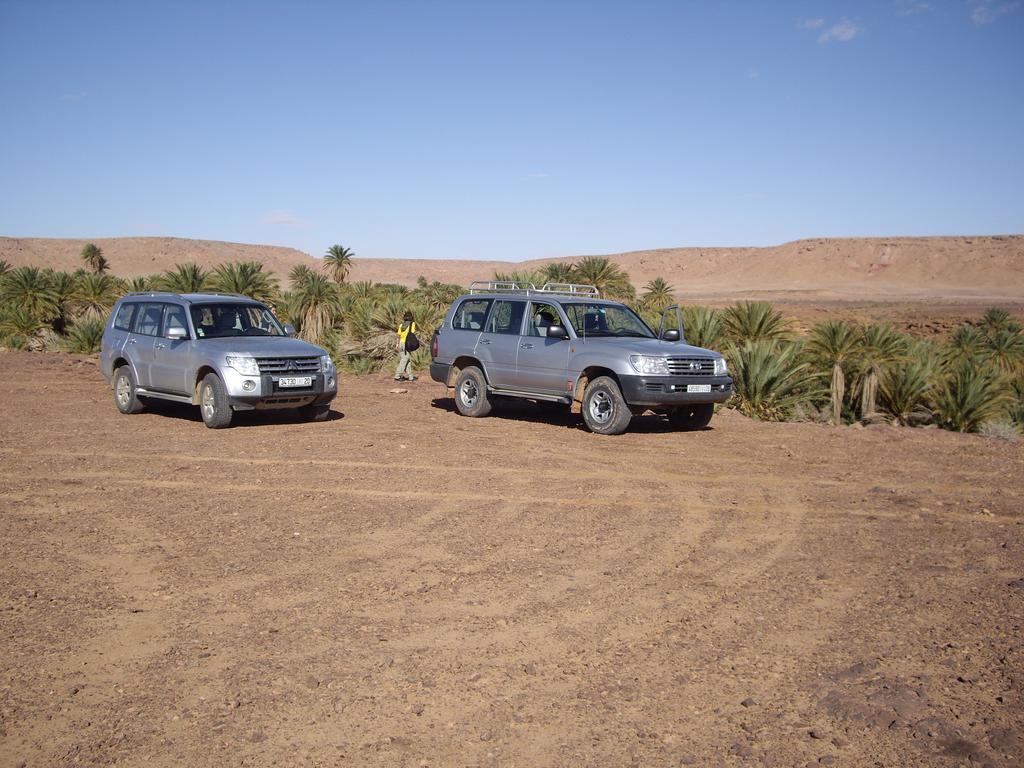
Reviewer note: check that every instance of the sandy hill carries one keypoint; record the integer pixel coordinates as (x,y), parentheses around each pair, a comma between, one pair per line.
(969,268)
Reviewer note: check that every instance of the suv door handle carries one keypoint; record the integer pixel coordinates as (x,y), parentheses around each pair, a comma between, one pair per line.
(485,341)
(526,346)
(131,341)
(161,346)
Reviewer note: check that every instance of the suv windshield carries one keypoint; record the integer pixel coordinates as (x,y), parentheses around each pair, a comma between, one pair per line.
(606,320)
(216,321)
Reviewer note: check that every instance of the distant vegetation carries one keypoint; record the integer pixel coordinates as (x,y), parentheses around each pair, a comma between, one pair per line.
(839,372)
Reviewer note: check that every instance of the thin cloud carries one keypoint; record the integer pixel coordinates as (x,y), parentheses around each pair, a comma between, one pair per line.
(843,32)
(811,24)
(985,12)
(911,7)
(284,219)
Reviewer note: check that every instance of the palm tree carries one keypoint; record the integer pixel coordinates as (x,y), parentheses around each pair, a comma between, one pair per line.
(95,295)
(906,388)
(967,343)
(832,345)
(970,396)
(185,278)
(4,268)
(521,277)
(557,272)
(30,289)
(94,259)
(1006,349)
(84,337)
(140,283)
(702,326)
(20,327)
(754,321)
(299,274)
(997,319)
(65,285)
(880,347)
(770,379)
(318,306)
(605,275)
(338,261)
(245,278)
(658,294)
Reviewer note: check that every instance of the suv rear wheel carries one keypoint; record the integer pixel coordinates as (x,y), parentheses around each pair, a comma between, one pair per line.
(605,411)
(213,402)
(694,416)
(471,398)
(124,391)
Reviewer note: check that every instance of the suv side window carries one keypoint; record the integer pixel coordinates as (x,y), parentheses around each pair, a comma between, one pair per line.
(148,321)
(125,315)
(541,316)
(470,315)
(174,317)
(506,317)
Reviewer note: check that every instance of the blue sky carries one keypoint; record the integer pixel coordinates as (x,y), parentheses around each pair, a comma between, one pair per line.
(511,130)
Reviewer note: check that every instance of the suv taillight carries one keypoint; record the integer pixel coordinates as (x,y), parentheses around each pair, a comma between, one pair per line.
(433,345)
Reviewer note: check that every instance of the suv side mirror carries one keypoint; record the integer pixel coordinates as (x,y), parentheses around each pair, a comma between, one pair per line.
(289,329)
(177,333)
(557,332)
(670,335)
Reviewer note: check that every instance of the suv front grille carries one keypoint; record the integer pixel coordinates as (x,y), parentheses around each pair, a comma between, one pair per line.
(288,365)
(691,366)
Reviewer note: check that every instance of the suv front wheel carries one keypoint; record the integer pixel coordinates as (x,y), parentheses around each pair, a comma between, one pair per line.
(471,397)
(605,411)
(213,402)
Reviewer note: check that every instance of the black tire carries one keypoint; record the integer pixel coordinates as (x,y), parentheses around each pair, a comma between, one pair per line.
(605,411)
(690,417)
(471,398)
(213,402)
(124,391)
(315,412)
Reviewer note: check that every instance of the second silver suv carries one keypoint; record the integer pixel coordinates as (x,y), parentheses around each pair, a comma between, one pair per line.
(563,344)
(224,353)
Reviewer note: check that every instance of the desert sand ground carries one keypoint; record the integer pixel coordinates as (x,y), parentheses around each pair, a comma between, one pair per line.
(401,586)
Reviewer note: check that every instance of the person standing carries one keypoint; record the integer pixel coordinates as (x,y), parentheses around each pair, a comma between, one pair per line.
(406,329)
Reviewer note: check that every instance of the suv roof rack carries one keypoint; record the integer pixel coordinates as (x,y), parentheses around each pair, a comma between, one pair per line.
(511,286)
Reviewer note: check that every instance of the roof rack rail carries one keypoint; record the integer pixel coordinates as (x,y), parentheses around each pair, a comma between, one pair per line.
(511,286)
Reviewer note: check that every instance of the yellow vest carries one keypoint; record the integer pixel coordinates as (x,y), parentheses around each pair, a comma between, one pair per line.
(403,331)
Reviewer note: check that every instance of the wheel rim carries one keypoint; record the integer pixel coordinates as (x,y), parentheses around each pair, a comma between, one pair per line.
(208,406)
(469,393)
(124,391)
(601,407)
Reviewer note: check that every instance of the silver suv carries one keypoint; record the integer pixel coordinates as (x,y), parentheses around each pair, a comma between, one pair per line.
(224,353)
(563,344)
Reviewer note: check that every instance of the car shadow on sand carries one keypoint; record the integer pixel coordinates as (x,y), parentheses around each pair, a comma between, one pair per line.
(537,413)
(185,412)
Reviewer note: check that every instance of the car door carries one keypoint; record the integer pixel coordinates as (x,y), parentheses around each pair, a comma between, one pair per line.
(115,337)
(498,345)
(140,346)
(542,364)
(171,357)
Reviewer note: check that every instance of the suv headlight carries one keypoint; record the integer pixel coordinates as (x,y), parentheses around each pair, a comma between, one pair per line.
(244,364)
(326,364)
(720,366)
(651,365)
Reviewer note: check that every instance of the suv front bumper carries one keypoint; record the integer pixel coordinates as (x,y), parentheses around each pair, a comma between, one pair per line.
(268,394)
(674,390)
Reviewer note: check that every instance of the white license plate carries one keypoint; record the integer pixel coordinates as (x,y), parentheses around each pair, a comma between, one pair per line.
(698,388)
(296,381)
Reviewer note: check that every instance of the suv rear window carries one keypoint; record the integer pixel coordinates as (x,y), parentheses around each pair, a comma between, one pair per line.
(123,320)
(470,315)
(506,317)
(148,322)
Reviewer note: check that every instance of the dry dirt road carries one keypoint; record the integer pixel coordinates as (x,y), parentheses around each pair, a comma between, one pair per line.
(402,586)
